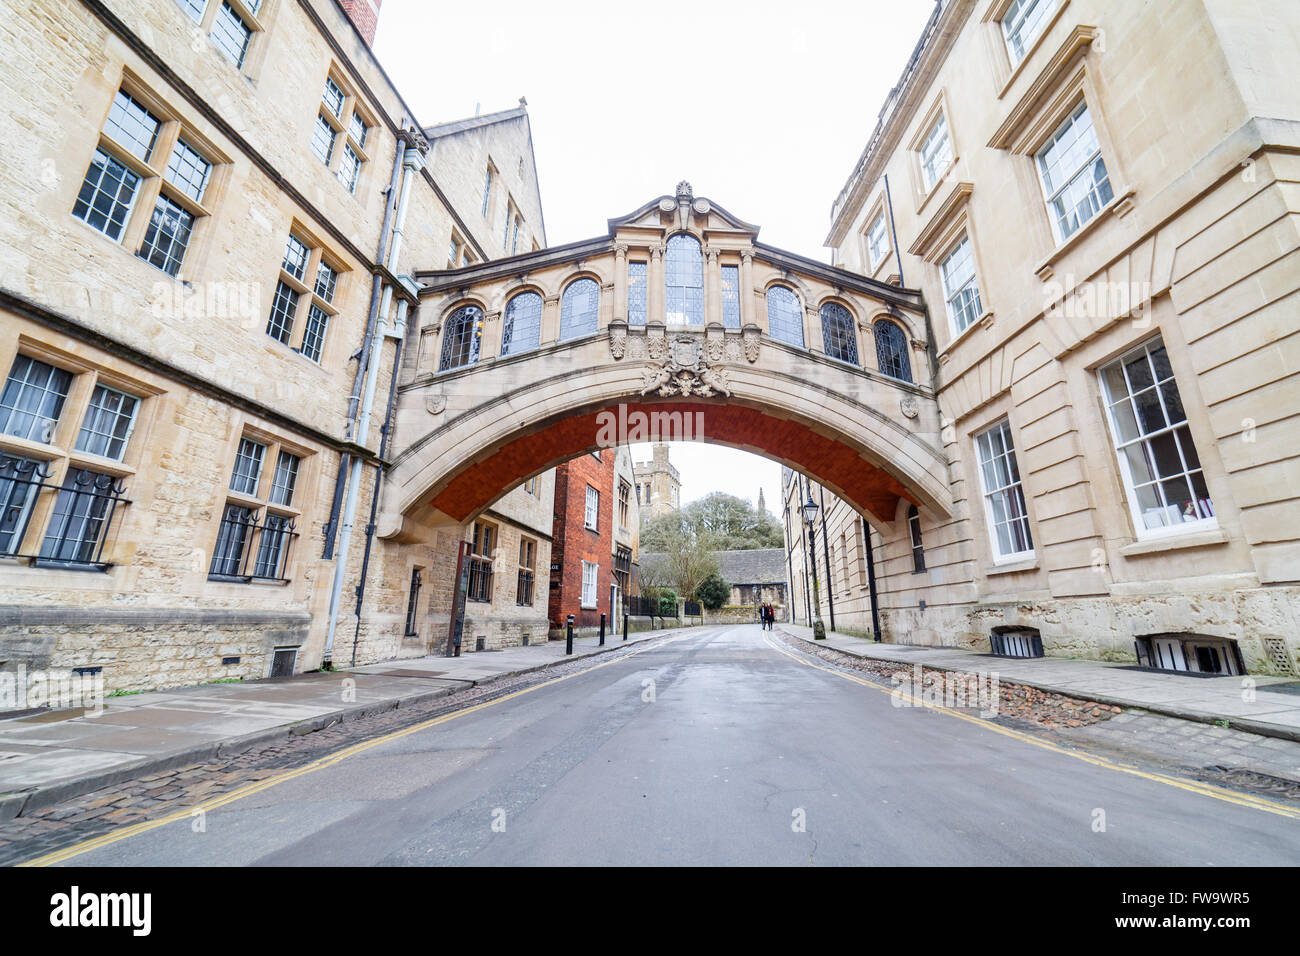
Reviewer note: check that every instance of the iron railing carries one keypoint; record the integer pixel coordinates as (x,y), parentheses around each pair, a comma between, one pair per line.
(240,528)
(78,526)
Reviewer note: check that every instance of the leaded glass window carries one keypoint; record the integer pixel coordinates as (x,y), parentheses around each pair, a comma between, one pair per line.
(284,307)
(522,328)
(684,275)
(106,195)
(296,255)
(1074,177)
(1158,460)
(168,236)
(326,279)
(579,309)
(132,126)
(731,296)
(636,293)
(333,97)
(838,336)
(248,467)
(284,479)
(891,350)
(349,167)
(460,337)
(358,129)
(188,171)
(959,286)
(313,336)
(322,140)
(108,422)
(231,34)
(784,316)
(32,399)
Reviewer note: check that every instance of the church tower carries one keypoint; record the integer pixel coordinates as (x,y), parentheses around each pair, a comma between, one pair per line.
(658,485)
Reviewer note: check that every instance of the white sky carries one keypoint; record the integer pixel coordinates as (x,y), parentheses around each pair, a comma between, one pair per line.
(763,106)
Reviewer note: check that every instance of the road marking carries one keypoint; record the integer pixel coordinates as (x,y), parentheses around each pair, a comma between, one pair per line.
(1228,796)
(106,839)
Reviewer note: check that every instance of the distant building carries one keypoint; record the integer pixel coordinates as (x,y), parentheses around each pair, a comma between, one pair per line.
(756,575)
(583,548)
(658,485)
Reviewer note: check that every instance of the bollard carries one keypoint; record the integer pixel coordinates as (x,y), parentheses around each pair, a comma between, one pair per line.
(625,625)
(602,628)
(568,637)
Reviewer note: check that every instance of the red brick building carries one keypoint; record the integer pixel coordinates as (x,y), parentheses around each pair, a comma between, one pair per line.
(582,540)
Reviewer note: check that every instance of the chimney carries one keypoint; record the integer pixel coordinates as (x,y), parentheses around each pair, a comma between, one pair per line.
(364,15)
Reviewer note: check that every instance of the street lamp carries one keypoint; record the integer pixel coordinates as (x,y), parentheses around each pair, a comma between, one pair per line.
(809,517)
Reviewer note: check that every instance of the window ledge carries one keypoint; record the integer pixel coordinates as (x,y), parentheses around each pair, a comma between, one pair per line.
(985,321)
(1120,205)
(1176,542)
(1013,567)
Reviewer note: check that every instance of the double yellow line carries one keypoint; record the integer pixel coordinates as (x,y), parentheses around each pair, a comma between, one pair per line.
(1206,790)
(135,829)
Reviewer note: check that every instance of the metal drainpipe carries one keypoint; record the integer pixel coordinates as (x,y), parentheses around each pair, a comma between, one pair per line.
(898,256)
(372,316)
(412,163)
(398,334)
(830,581)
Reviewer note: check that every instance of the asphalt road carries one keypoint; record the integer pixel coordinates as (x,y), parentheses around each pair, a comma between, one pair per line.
(737,745)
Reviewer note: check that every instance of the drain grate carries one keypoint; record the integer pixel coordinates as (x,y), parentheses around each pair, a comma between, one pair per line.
(1244,779)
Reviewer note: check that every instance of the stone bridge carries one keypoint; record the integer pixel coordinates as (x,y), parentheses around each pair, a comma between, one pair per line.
(677,324)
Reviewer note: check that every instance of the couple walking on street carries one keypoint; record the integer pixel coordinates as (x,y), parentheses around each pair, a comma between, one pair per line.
(766,615)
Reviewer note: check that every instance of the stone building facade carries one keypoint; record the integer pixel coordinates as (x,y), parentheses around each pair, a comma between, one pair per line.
(658,484)
(1106,237)
(207,214)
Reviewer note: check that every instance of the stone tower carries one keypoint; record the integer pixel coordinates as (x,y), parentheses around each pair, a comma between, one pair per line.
(658,485)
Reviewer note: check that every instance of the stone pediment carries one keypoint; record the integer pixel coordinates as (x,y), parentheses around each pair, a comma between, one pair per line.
(707,214)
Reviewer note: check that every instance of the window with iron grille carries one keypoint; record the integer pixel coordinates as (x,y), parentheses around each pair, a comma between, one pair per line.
(482,548)
(839,338)
(579,309)
(460,338)
(229,555)
(636,293)
(784,316)
(33,399)
(82,513)
(960,288)
(20,480)
(1073,174)
(891,350)
(624,503)
(622,568)
(248,467)
(1159,464)
(1004,499)
(731,297)
(524,586)
(107,424)
(413,605)
(592,516)
(231,34)
(273,547)
(914,531)
(684,276)
(522,328)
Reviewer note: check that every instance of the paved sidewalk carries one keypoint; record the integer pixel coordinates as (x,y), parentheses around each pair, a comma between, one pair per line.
(1274,712)
(50,756)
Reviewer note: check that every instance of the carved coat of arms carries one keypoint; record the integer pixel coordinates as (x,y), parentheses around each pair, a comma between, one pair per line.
(685,373)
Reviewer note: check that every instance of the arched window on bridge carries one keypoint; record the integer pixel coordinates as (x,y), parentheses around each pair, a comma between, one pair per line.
(460,337)
(784,316)
(522,328)
(684,275)
(838,336)
(579,309)
(891,350)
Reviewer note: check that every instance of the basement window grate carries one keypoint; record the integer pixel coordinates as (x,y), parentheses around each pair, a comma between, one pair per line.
(525,640)
(227,661)
(283,661)
(1275,649)
(480,643)
(87,671)
(1016,642)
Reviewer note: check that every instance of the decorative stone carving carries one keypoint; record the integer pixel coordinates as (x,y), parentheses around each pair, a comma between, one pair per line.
(715,342)
(685,374)
(617,339)
(435,403)
(908,406)
(656,343)
(701,207)
(684,191)
(667,205)
(750,335)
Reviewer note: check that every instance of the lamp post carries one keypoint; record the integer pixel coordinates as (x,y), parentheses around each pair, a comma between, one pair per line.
(810,510)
